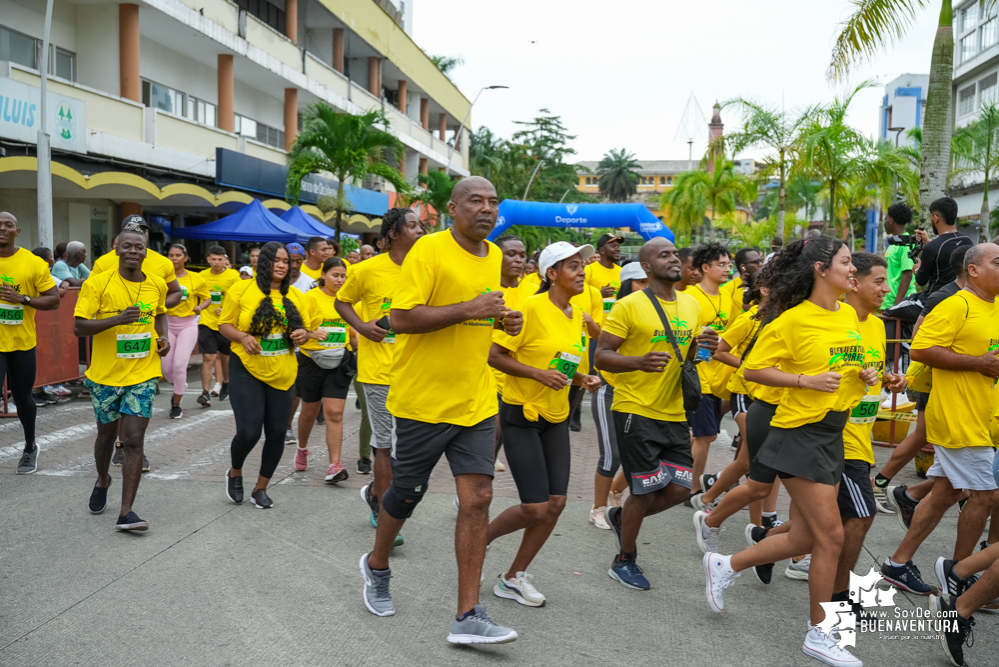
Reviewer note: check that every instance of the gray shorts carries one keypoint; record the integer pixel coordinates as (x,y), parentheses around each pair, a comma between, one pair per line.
(379,417)
(418,446)
(965,468)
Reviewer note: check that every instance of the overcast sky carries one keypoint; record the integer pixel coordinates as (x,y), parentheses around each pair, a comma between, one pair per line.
(620,73)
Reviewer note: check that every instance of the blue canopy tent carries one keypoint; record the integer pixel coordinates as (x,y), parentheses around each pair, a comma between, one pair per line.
(252,223)
(541,214)
(304,222)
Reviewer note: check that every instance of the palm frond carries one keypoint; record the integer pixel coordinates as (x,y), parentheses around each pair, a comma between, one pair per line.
(873,26)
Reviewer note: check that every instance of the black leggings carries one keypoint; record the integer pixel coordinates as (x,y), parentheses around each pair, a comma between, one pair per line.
(538,454)
(19,368)
(257,406)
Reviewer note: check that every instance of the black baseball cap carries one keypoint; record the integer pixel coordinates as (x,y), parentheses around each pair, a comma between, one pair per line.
(607,238)
(134,223)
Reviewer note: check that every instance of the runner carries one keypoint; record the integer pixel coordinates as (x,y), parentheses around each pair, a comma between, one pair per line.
(900,265)
(514,255)
(323,364)
(26,286)
(690,274)
(212,344)
(182,324)
(590,302)
(813,350)
(605,274)
(747,262)
(649,418)
(367,252)
(445,307)
(353,257)
(317,251)
(300,279)
(303,283)
(249,271)
(263,320)
(958,341)
(123,310)
(540,363)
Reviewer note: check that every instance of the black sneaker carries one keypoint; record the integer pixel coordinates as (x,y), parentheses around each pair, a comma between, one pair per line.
(99,499)
(898,501)
(951,582)
(983,546)
(118,457)
(771,522)
(372,502)
(364,466)
(224,392)
(233,488)
(205,399)
(176,412)
(41,402)
(321,418)
(145,464)
(612,515)
(764,573)
(131,521)
(260,499)
(708,480)
(953,641)
(906,577)
(29,461)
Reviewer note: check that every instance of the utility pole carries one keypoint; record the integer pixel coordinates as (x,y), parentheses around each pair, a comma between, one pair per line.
(43,149)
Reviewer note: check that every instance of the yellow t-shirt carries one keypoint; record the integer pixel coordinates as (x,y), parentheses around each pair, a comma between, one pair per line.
(738,335)
(443,376)
(715,313)
(154,264)
(309,272)
(960,401)
(370,286)
(218,284)
(590,302)
(598,276)
(857,433)
(276,364)
(321,308)
(549,340)
(810,340)
(123,355)
(193,291)
(28,275)
(529,286)
(735,293)
(634,319)
(513,298)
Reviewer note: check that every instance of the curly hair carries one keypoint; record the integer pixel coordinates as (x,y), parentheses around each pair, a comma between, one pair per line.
(900,213)
(707,253)
(267,319)
(393,221)
(789,275)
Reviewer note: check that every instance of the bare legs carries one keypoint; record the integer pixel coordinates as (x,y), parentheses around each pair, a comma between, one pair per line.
(699,450)
(133,432)
(537,519)
(333,412)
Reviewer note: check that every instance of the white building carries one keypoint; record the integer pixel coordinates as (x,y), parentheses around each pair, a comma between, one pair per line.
(903,106)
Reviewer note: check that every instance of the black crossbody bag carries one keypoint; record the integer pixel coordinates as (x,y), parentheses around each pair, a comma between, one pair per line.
(690,382)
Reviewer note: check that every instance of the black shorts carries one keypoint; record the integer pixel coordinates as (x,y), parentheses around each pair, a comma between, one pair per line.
(740,404)
(418,446)
(315,383)
(210,341)
(537,453)
(757,428)
(812,451)
(654,453)
(922,400)
(706,419)
(856,495)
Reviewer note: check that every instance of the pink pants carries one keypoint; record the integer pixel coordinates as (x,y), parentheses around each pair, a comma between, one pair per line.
(183,334)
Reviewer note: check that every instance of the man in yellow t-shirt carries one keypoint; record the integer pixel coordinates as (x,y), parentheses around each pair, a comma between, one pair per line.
(211,343)
(154,264)
(747,262)
(605,273)
(317,251)
(25,286)
(443,398)
(651,425)
(125,311)
(959,340)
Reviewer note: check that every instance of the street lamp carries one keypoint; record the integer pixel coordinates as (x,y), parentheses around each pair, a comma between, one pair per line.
(464,120)
(898,131)
(535,173)
(42,149)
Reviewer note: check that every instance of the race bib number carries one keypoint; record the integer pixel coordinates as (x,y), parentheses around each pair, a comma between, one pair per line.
(135,346)
(216,298)
(389,338)
(867,411)
(11,313)
(335,337)
(183,293)
(273,345)
(564,363)
(608,302)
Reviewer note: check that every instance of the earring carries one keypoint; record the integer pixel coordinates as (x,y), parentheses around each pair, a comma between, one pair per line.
(823,275)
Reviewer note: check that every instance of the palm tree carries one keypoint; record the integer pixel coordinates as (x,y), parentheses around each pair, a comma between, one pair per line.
(485,153)
(976,151)
(349,147)
(436,193)
(749,234)
(720,189)
(447,63)
(885,167)
(618,177)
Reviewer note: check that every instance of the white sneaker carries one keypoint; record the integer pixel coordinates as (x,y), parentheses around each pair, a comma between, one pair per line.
(798,570)
(597,518)
(707,537)
(216,389)
(457,505)
(699,504)
(289,438)
(718,575)
(825,648)
(615,498)
(498,466)
(520,589)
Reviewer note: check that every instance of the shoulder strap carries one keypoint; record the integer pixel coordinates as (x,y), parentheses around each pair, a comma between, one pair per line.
(708,297)
(662,318)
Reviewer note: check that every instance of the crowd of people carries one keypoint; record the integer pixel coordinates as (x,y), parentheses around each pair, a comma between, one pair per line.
(460,347)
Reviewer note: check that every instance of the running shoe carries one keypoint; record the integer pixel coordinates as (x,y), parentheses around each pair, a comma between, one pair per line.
(41,401)
(961,503)
(321,418)
(363,466)
(478,628)
(336,473)
(57,390)
(131,521)
(145,464)
(289,438)
(736,441)
(697,502)
(261,500)
(951,582)
(627,572)
(825,647)
(771,521)
(233,488)
(205,400)
(377,597)
(118,458)
(612,515)
(498,466)
(456,504)
(901,505)
(372,504)
(176,412)
(597,518)
(764,573)
(99,499)
(216,388)
(953,641)
(798,570)
(689,501)
(983,545)
(707,537)
(718,575)
(615,498)
(708,480)
(880,498)
(224,393)
(906,577)
(301,458)
(29,461)
(520,589)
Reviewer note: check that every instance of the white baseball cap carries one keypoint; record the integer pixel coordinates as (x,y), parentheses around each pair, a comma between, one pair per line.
(560,250)
(633,271)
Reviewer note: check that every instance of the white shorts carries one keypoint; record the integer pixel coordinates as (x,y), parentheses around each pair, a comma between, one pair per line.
(375,396)
(965,468)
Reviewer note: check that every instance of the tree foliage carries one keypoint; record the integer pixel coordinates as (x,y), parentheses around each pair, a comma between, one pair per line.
(618,175)
(436,193)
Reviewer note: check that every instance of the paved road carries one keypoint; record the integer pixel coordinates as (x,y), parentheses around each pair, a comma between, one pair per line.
(216,584)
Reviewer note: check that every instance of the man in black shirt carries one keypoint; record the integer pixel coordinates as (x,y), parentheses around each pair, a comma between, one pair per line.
(934,269)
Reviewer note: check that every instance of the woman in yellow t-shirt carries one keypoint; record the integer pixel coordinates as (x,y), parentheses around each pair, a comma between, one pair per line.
(182,321)
(514,254)
(814,351)
(323,364)
(263,318)
(540,363)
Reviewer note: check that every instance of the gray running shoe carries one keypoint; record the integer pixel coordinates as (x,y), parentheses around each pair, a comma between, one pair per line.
(118,458)
(377,597)
(29,462)
(478,628)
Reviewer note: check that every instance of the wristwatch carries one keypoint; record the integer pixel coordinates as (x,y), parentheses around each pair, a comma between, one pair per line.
(27,300)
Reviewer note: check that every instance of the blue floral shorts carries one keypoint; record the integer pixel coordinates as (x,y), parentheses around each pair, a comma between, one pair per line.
(110,403)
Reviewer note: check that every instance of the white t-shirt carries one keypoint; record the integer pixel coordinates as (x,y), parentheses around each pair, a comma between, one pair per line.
(305,282)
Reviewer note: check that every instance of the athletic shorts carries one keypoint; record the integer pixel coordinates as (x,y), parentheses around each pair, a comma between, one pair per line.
(856,495)
(379,417)
(314,383)
(965,468)
(537,453)
(110,403)
(609,459)
(812,451)
(418,446)
(706,419)
(654,453)
(210,341)
(922,399)
(758,420)
(740,404)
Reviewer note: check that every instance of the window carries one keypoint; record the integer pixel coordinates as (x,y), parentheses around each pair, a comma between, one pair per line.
(987,90)
(669,180)
(589,181)
(969,47)
(969,17)
(201,112)
(17,48)
(989,33)
(265,134)
(162,97)
(662,180)
(64,64)
(966,101)
(266,12)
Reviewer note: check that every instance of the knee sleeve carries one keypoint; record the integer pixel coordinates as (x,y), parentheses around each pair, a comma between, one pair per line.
(400,502)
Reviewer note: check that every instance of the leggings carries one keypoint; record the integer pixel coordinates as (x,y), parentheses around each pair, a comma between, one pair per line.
(183,335)
(610,459)
(364,446)
(257,406)
(19,368)
(538,454)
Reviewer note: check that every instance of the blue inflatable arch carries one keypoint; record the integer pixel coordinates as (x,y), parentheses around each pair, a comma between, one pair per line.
(542,214)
